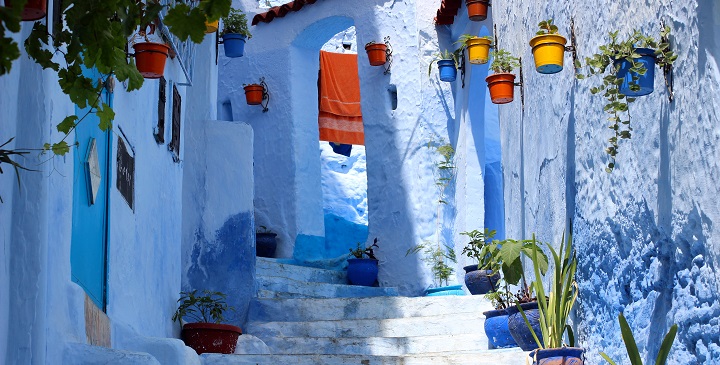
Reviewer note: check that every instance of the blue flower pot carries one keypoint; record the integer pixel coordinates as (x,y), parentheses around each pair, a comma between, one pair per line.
(362,271)
(646,82)
(519,329)
(448,72)
(496,329)
(559,356)
(445,290)
(234,44)
(480,281)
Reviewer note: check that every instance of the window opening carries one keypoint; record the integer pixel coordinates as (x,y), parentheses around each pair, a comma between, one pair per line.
(175,139)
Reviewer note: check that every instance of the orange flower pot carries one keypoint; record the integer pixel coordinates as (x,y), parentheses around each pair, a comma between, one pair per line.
(34,9)
(502,87)
(376,54)
(150,59)
(477,9)
(254,94)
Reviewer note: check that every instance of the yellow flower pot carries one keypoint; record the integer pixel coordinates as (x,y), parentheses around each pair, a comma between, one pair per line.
(211,27)
(548,51)
(478,50)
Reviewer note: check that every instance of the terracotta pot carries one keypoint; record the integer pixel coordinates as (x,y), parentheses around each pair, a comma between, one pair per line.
(34,9)
(211,337)
(376,54)
(477,9)
(254,94)
(150,59)
(548,52)
(502,87)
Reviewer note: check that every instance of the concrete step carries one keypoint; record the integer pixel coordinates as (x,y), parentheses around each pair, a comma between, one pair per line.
(488,357)
(449,324)
(272,267)
(307,310)
(82,354)
(281,287)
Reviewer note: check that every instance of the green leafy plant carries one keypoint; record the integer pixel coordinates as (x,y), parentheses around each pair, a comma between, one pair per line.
(446,55)
(554,312)
(446,168)
(361,251)
(607,62)
(547,27)
(474,248)
(207,308)
(632,349)
(236,22)
(438,257)
(6,157)
(503,61)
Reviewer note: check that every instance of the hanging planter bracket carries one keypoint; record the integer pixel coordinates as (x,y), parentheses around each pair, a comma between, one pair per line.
(461,67)
(266,95)
(668,68)
(388,55)
(573,45)
(520,84)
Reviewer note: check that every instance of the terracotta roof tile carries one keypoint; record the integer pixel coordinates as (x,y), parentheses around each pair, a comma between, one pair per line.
(281,11)
(448,10)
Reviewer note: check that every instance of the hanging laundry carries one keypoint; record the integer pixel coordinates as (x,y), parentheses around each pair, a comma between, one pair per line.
(340,114)
(341,149)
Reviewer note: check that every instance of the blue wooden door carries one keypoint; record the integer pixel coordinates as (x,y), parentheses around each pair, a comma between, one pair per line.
(91,183)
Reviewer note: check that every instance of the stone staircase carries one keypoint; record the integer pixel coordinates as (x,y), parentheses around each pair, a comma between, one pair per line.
(312,316)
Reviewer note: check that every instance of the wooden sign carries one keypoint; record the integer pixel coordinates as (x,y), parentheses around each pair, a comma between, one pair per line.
(125,173)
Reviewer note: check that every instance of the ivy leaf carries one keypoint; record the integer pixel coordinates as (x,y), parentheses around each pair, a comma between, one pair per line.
(60,148)
(106,115)
(215,9)
(186,23)
(9,51)
(67,124)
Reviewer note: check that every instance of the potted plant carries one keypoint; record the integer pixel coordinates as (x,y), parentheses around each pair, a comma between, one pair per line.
(363,267)
(496,321)
(478,278)
(265,242)
(477,9)
(629,69)
(632,349)
(447,65)
(478,48)
(254,93)
(548,48)
(502,83)
(377,53)
(554,312)
(33,10)
(150,55)
(206,333)
(438,258)
(235,33)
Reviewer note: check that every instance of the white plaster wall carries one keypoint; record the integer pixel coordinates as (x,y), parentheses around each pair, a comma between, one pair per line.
(646,234)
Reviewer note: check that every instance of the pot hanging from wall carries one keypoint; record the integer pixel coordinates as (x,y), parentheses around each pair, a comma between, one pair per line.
(211,27)
(377,53)
(33,10)
(234,44)
(548,52)
(448,71)
(150,59)
(478,50)
(254,94)
(477,9)
(646,82)
(502,87)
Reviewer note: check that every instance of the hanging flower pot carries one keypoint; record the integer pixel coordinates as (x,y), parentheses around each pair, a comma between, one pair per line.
(234,44)
(548,52)
(478,50)
(150,59)
(502,87)
(33,10)
(254,94)
(477,9)
(448,71)
(646,82)
(558,356)
(377,53)
(211,27)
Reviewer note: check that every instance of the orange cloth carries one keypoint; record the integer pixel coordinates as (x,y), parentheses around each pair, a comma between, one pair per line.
(340,115)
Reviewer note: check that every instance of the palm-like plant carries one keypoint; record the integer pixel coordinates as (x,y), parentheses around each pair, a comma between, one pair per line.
(632,348)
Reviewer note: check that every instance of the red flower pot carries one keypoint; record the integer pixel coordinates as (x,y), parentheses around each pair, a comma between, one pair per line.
(34,9)
(211,337)
(502,87)
(150,59)
(254,94)
(477,9)
(376,54)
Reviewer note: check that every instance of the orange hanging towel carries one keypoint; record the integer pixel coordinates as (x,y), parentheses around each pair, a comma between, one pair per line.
(340,116)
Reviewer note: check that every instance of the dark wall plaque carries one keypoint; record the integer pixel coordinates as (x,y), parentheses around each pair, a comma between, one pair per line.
(125,173)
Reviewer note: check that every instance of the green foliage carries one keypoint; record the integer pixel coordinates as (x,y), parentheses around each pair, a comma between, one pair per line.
(606,63)
(632,349)
(6,157)
(438,258)
(361,251)
(554,312)
(503,61)
(236,22)
(463,40)
(504,256)
(547,27)
(474,248)
(207,308)
(446,55)
(445,167)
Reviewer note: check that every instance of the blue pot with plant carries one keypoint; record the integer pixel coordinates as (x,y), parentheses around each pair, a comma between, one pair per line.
(363,265)
(235,33)
(627,71)
(447,65)
(265,242)
(519,330)
(496,329)
(478,279)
